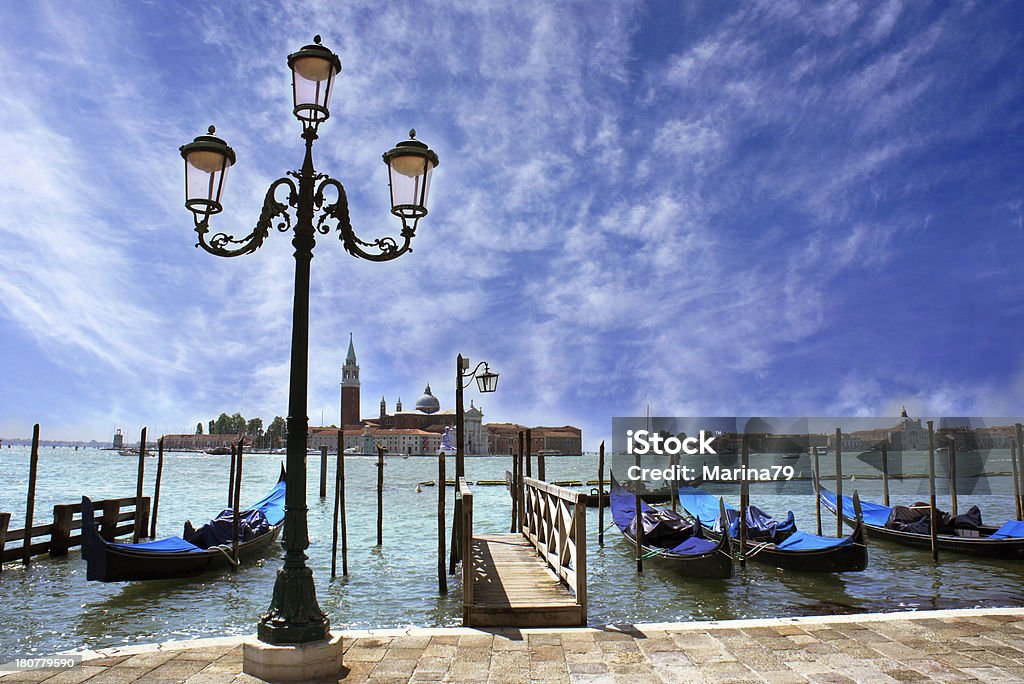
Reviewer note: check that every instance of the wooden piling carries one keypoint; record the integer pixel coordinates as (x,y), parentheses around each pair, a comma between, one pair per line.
(521,508)
(639,525)
(744,500)
(323,471)
(1020,461)
(339,471)
(524,453)
(60,533)
(156,487)
(512,490)
(541,471)
(885,473)
(30,505)
(231,476)
(139,531)
(600,494)
(237,507)
(673,495)
(951,452)
(933,514)
(380,494)
(817,480)
(1016,481)
(839,482)
(529,455)
(442,578)
(5,520)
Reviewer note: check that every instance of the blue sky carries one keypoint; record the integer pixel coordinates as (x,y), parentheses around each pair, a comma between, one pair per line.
(766,208)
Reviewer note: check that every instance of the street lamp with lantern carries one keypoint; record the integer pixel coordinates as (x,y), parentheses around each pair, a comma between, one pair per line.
(320,204)
(486,381)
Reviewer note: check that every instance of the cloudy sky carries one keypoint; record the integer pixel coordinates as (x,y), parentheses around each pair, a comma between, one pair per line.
(764,208)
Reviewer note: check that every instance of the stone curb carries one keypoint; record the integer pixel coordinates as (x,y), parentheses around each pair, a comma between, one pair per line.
(642,628)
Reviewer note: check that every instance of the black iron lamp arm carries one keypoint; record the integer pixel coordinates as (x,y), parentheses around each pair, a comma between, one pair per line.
(469,375)
(381,249)
(224,245)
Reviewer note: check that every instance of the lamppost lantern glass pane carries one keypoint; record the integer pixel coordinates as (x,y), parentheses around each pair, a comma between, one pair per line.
(314,69)
(207,159)
(410,167)
(487,381)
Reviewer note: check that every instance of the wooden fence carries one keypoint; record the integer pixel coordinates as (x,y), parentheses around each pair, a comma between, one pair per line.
(117,517)
(555,522)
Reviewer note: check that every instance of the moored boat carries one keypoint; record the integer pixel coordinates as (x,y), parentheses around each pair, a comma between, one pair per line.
(778,544)
(195,552)
(669,539)
(911,526)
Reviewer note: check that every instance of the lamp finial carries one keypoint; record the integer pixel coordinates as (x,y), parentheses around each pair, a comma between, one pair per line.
(412,133)
(212,129)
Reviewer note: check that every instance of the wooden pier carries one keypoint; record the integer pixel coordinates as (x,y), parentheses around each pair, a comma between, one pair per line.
(534,578)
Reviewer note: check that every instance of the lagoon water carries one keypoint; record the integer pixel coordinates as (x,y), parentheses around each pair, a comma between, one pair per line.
(50,607)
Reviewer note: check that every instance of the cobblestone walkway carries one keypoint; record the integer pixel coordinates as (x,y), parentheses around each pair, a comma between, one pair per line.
(968,645)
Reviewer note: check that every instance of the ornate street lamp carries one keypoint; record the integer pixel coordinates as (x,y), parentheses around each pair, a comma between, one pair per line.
(486,381)
(319,203)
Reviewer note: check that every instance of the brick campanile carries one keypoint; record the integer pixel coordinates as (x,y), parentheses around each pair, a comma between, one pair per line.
(350,387)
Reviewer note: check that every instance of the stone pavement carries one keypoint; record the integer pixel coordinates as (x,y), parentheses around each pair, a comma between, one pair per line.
(984,645)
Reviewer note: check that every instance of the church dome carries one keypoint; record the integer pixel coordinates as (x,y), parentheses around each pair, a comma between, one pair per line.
(428,403)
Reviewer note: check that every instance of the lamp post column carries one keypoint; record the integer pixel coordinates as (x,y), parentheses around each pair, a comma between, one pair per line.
(294,616)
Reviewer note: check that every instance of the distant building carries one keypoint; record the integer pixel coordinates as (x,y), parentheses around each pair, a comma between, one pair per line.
(503,438)
(202,442)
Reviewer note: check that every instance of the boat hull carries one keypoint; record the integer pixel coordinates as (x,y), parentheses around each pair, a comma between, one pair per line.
(1009,549)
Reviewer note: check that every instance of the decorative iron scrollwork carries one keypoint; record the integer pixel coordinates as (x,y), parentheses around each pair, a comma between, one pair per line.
(381,249)
(220,243)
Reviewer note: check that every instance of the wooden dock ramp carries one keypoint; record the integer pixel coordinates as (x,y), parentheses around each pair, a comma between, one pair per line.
(536,578)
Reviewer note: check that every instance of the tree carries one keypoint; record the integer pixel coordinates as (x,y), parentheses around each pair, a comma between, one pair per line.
(238,424)
(276,430)
(224,425)
(213,428)
(254,428)
(199,428)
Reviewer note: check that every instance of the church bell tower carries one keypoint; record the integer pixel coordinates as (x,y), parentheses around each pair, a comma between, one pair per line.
(350,388)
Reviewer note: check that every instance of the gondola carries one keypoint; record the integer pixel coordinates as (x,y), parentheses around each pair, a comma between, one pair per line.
(779,544)
(671,540)
(197,551)
(961,534)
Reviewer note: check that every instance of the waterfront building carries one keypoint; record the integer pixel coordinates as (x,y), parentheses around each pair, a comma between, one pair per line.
(503,438)
(203,442)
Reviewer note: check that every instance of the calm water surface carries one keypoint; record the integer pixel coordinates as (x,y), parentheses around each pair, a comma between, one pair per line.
(50,607)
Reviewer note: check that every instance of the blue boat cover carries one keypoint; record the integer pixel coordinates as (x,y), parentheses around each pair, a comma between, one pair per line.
(623,506)
(1010,529)
(168,545)
(272,505)
(872,513)
(760,525)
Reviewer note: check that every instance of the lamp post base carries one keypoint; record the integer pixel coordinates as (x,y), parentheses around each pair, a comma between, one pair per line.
(316,660)
(294,616)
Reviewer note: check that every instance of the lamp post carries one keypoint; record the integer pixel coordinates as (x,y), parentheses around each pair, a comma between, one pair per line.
(320,204)
(486,382)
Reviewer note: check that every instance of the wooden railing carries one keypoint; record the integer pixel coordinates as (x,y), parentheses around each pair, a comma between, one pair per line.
(555,522)
(467,542)
(59,536)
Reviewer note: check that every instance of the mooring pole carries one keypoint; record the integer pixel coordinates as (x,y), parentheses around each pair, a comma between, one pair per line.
(1020,461)
(541,470)
(237,505)
(344,518)
(529,455)
(519,484)
(323,471)
(139,531)
(673,461)
(638,534)
(337,506)
(156,486)
(885,473)
(231,476)
(380,495)
(744,501)
(30,505)
(512,490)
(526,453)
(934,518)
(1016,482)
(952,473)
(817,485)
(442,578)
(600,494)
(839,482)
